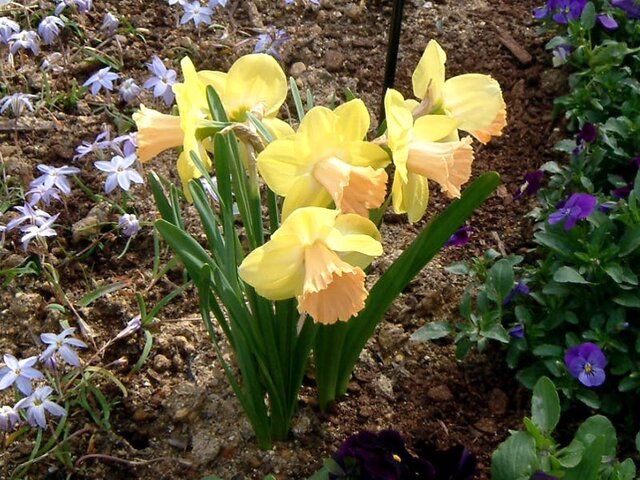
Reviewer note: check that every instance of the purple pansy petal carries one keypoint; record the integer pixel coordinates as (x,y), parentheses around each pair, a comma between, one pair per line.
(607,22)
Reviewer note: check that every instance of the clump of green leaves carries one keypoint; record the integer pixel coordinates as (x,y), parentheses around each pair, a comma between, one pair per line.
(590,455)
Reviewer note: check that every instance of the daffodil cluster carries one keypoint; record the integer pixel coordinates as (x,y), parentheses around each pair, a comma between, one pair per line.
(327,173)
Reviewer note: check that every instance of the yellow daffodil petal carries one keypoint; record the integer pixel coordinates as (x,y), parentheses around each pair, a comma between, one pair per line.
(365,154)
(411,104)
(476,100)
(218,80)
(353,189)
(399,126)
(434,128)
(255,83)
(277,128)
(276,269)
(352,120)
(156,132)
(417,190)
(448,163)
(282,162)
(410,197)
(428,77)
(317,131)
(356,238)
(305,191)
(309,224)
(333,289)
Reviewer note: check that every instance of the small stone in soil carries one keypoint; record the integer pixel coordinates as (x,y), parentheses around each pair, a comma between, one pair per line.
(440,393)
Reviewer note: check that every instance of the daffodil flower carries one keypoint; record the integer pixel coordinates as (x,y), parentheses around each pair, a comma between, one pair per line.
(425,148)
(318,256)
(255,83)
(327,160)
(473,99)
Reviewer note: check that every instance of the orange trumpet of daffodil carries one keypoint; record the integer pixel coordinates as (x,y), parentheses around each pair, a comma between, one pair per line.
(318,256)
(327,161)
(425,148)
(475,100)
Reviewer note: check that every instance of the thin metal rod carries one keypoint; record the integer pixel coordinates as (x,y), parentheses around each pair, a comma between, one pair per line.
(392,49)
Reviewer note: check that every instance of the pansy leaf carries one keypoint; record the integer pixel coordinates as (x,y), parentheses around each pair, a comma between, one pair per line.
(569,275)
(545,405)
(431,331)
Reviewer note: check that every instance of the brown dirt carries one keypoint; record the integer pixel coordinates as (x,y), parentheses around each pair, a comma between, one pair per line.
(180,419)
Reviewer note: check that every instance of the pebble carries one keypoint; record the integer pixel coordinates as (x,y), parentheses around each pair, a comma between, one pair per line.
(161,363)
(440,393)
(384,387)
(297,69)
(498,401)
(486,425)
(333,61)
(390,337)
(206,446)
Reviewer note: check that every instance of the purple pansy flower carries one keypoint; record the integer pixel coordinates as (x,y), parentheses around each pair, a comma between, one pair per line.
(630,7)
(607,21)
(587,133)
(459,238)
(63,346)
(540,475)
(37,403)
(560,55)
(622,192)
(586,362)
(519,288)
(531,184)
(517,331)
(561,11)
(577,207)
(20,372)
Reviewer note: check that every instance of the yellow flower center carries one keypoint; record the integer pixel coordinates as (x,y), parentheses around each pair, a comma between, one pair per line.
(587,367)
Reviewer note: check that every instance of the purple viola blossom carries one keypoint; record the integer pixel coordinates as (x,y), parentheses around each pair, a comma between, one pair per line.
(55,177)
(459,238)
(101,142)
(607,21)
(62,345)
(587,133)
(7,28)
(26,39)
(560,55)
(197,12)
(519,288)
(517,331)
(381,455)
(41,193)
(270,42)
(120,172)
(586,362)
(49,29)
(38,231)
(103,78)
(129,90)
(9,418)
(33,216)
(622,192)
(109,23)
(37,403)
(129,224)
(577,207)
(540,475)
(630,7)
(530,185)
(18,372)
(567,10)
(161,81)
(17,102)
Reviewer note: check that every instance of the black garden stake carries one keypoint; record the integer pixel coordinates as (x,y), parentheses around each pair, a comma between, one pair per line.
(392,49)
